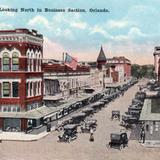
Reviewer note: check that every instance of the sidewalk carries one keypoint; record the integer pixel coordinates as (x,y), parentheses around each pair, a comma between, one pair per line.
(21,136)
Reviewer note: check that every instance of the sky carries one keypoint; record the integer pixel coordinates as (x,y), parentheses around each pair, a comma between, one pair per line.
(131,28)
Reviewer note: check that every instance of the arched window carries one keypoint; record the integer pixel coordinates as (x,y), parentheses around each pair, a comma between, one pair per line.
(15,62)
(39,63)
(6,62)
(36,62)
(32,63)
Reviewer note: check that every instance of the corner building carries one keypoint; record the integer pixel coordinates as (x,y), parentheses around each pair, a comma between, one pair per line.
(21,77)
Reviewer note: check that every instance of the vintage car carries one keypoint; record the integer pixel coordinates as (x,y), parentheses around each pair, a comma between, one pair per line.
(118,140)
(134,113)
(69,134)
(133,108)
(104,100)
(115,114)
(128,120)
(62,123)
(77,118)
(88,124)
(97,106)
(88,111)
(137,101)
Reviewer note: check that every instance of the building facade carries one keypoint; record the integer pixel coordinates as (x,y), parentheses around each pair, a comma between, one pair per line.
(60,79)
(21,77)
(156,55)
(118,69)
(150,117)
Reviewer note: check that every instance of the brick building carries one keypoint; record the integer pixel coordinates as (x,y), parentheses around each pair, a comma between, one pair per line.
(60,79)
(21,77)
(117,68)
(120,68)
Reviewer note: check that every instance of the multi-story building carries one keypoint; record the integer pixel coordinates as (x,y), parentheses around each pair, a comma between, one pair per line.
(156,55)
(118,69)
(21,77)
(60,79)
(122,66)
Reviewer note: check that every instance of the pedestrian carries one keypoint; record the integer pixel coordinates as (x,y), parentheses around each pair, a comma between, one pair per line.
(143,136)
(91,135)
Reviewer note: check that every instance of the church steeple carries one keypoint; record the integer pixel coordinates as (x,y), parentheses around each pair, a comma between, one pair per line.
(101,56)
(101,60)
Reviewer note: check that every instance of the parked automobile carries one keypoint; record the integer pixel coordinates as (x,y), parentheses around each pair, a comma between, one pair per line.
(97,106)
(88,124)
(115,114)
(77,118)
(62,123)
(118,140)
(69,134)
(88,111)
(128,121)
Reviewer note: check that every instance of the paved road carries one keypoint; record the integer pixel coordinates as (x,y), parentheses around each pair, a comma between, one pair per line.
(49,149)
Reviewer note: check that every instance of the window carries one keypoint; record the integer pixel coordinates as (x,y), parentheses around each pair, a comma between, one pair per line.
(31,87)
(34,88)
(4,109)
(6,63)
(151,129)
(15,89)
(147,127)
(27,88)
(156,126)
(15,62)
(6,89)
(14,109)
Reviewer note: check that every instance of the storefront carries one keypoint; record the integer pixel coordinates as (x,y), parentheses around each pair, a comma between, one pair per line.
(12,124)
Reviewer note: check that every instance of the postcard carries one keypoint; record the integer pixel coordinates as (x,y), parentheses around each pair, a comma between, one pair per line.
(79,80)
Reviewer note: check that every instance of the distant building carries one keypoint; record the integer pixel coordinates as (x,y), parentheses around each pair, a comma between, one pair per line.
(117,68)
(156,55)
(120,68)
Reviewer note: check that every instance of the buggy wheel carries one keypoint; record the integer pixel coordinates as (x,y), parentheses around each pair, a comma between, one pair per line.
(121,147)
(69,140)
(60,129)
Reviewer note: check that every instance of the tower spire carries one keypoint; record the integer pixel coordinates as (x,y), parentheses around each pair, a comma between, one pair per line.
(101,56)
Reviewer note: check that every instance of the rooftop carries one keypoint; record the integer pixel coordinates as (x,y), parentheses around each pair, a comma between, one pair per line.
(151,110)
(22,31)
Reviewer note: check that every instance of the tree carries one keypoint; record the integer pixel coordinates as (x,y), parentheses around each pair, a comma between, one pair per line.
(146,71)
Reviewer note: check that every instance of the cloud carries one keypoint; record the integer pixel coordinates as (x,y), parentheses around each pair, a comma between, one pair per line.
(70,20)
(5,26)
(99,29)
(134,33)
(80,25)
(60,25)
(116,24)
(52,49)
(39,20)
